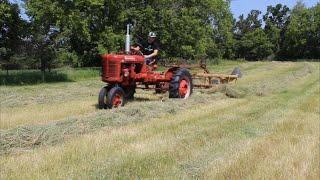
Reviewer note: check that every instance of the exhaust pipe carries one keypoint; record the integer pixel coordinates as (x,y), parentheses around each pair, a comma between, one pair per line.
(128,39)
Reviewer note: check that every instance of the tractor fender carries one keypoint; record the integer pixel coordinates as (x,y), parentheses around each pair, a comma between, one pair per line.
(170,72)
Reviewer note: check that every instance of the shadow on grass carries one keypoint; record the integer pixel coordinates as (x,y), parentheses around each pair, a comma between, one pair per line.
(136,99)
(140,99)
(16,78)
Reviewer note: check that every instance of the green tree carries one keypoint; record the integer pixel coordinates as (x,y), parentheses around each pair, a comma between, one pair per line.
(254,45)
(247,25)
(277,19)
(12,31)
(85,28)
(302,38)
(251,42)
(188,29)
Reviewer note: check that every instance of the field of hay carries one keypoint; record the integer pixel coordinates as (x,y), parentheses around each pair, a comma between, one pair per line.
(270,129)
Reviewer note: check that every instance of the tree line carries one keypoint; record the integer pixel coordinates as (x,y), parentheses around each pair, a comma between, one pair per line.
(76,32)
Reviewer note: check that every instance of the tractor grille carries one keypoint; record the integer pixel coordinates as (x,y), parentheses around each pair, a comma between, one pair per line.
(112,69)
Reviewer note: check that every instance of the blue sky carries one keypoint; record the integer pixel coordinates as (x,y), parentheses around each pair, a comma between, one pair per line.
(239,7)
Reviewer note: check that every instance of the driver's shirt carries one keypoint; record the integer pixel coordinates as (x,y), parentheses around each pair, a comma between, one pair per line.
(149,48)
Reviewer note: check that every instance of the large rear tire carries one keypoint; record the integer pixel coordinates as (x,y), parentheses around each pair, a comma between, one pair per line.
(181,84)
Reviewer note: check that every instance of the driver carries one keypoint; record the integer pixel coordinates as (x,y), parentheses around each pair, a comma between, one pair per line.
(150,49)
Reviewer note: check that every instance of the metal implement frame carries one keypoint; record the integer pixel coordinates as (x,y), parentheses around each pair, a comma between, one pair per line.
(209,80)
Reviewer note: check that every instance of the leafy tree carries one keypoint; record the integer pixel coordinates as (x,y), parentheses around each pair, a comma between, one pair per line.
(11,31)
(84,27)
(254,45)
(74,33)
(249,24)
(302,38)
(188,29)
(277,19)
(251,42)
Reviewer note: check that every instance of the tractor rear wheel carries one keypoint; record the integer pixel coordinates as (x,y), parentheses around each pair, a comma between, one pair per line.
(181,84)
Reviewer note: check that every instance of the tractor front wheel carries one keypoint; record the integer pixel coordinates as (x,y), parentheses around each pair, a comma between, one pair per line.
(115,97)
(111,97)
(181,84)
(102,100)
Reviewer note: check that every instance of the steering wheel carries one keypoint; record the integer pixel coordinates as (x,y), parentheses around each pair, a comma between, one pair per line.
(137,53)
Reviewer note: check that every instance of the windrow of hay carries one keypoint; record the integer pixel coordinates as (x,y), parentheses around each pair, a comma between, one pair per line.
(276,78)
(28,137)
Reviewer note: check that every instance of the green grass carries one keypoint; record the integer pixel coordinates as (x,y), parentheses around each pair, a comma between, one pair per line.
(29,77)
(271,131)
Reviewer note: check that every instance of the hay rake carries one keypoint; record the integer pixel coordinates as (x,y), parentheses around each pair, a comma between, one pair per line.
(206,79)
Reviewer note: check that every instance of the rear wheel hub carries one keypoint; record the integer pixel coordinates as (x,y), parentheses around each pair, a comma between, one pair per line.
(184,88)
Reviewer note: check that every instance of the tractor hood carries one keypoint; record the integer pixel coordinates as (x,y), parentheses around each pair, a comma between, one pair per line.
(122,58)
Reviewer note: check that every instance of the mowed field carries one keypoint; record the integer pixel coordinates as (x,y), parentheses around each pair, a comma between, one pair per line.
(270,129)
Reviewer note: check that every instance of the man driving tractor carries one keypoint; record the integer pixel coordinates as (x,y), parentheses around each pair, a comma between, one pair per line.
(150,49)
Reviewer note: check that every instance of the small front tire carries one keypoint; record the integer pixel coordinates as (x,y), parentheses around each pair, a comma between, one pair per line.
(102,100)
(115,98)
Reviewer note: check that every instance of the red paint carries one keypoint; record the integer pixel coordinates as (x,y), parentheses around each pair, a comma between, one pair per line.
(129,69)
(117,100)
(183,88)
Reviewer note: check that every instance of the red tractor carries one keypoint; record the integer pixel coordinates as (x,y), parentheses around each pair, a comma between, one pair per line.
(123,72)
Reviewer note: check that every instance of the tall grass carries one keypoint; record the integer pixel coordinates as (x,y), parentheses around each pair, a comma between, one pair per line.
(29,77)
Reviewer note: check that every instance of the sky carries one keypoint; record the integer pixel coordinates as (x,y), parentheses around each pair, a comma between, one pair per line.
(239,7)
